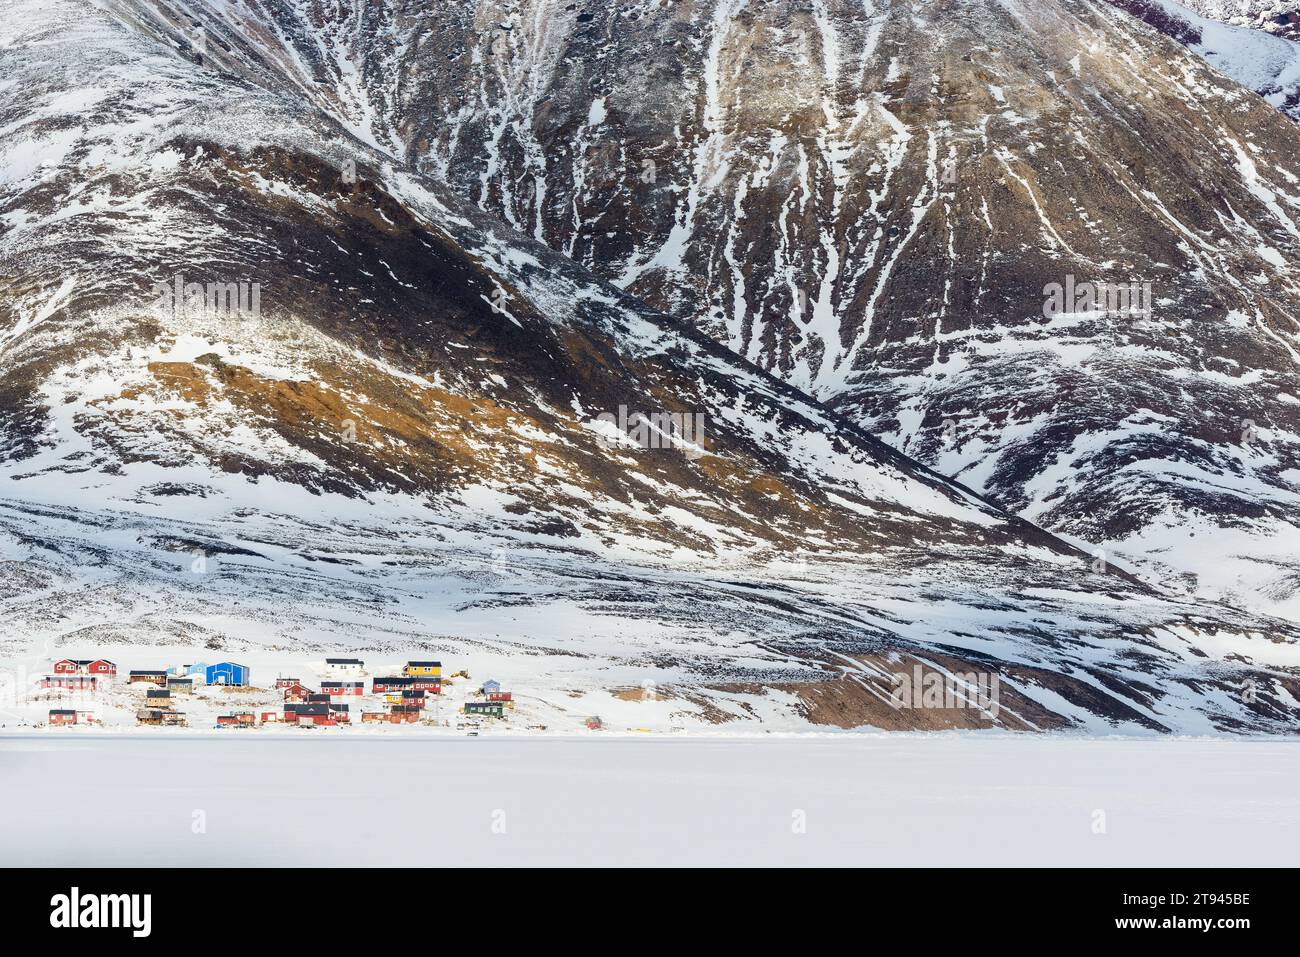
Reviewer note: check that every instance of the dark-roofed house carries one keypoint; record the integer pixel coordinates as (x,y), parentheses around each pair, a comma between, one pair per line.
(158,698)
(348,665)
(158,678)
(423,669)
(392,683)
(318,714)
(180,686)
(62,716)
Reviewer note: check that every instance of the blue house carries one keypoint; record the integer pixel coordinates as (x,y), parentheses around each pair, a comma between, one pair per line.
(227,673)
(491,686)
(201,668)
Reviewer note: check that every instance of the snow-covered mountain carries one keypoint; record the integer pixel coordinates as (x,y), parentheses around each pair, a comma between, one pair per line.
(270,384)
(872,200)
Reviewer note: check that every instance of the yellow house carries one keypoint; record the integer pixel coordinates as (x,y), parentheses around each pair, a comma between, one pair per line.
(403,697)
(423,669)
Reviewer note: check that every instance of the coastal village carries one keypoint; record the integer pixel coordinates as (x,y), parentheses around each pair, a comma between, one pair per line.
(340,693)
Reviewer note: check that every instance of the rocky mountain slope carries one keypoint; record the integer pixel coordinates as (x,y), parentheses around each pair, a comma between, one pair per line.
(874,201)
(268,385)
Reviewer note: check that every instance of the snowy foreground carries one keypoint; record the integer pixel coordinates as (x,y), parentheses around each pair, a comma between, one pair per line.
(864,800)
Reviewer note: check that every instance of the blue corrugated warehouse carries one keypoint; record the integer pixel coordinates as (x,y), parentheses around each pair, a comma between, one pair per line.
(227,673)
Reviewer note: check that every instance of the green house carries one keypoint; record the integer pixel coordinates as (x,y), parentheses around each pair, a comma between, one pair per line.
(492,709)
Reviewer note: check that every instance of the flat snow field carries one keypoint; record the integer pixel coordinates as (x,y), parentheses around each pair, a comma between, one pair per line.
(900,800)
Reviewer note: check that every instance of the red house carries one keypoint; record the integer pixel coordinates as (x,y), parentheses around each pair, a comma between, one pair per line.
(286,683)
(84,666)
(341,689)
(243,719)
(498,696)
(426,683)
(309,714)
(59,716)
(297,693)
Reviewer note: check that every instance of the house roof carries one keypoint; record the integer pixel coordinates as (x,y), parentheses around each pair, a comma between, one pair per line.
(61,711)
(425,664)
(343,661)
(148,672)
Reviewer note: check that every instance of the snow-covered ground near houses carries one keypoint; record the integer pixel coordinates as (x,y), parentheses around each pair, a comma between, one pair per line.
(847,799)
